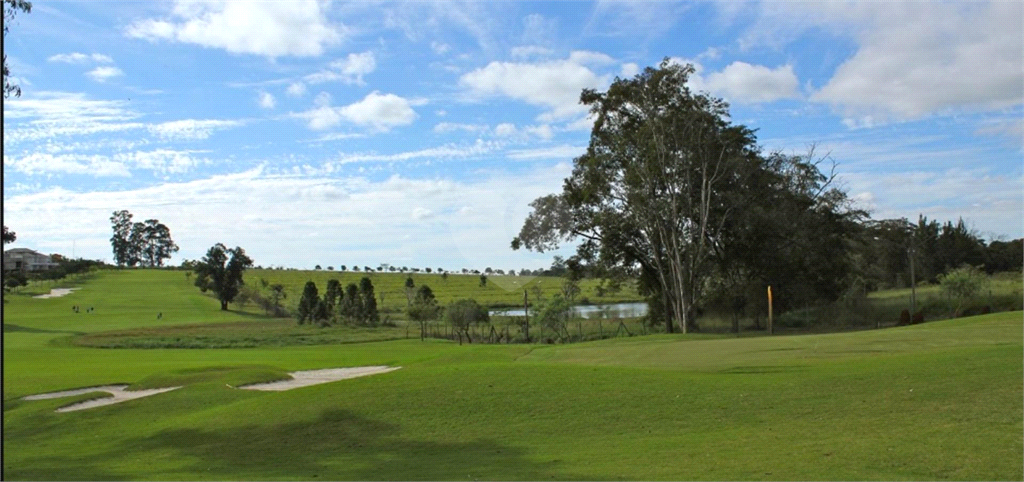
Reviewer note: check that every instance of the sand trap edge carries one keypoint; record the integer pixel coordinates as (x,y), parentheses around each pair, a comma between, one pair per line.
(118,392)
(308,378)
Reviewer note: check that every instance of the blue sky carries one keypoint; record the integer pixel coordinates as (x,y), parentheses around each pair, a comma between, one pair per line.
(417,133)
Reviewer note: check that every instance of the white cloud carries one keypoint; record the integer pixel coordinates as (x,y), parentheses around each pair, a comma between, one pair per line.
(439,48)
(505,130)
(163,161)
(381,111)
(266,100)
(530,51)
(349,70)
(451,127)
(747,83)
(271,29)
(48,164)
(555,85)
(378,111)
(103,74)
(191,128)
(80,58)
(296,89)
(911,61)
(629,70)
(585,57)
(542,131)
(565,151)
(420,213)
(449,151)
(44,115)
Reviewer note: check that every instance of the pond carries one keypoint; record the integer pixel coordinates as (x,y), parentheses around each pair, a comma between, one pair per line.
(621,310)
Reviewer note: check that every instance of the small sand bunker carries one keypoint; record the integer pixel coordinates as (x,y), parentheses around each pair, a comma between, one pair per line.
(316,377)
(118,391)
(57,293)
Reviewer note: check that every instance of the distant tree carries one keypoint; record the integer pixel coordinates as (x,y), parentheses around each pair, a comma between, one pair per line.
(148,244)
(367,269)
(465,271)
(308,302)
(157,244)
(553,314)
(11,7)
(499,272)
(355,268)
(512,272)
(369,302)
(428,270)
(444,276)
(317,267)
(321,314)
(483,280)
(962,284)
(462,314)
(9,236)
(333,294)
(351,305)
(424,309)
(392,269)
(277,294)
(488,270)
(220,271)
(342,268)
(330,268)
(410,289)
(440,270)
(525,272)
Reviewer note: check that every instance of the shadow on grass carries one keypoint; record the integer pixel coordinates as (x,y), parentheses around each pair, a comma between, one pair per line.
(9,328)
(339,445)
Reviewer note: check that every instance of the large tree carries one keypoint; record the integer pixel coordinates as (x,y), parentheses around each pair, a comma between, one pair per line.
(653,191)
(220,271)
(11,8)
(665,189)
(157,244)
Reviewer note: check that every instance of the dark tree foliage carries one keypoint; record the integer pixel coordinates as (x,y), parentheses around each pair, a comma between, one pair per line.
(424,308)
(368,301)
(146,244)
(462,314)
(9,236)
(220,271)
(308,303)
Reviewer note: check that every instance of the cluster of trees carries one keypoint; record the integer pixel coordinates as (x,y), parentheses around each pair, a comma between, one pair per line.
(145,244)
(673,194)
(356,304)
(889,247)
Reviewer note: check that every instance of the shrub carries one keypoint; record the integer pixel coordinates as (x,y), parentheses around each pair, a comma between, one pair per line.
(904,317)
(918,318)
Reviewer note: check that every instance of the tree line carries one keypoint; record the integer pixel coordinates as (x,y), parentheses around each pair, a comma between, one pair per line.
(145,244)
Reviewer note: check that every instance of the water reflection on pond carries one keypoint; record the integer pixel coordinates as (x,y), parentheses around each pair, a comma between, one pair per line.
(615,310)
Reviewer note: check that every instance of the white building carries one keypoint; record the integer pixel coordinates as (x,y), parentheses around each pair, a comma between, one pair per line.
(24,259)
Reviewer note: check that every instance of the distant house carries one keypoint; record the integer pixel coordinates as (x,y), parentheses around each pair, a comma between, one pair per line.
(24,259)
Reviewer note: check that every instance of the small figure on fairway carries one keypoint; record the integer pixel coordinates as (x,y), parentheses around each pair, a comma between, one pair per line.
(160,315)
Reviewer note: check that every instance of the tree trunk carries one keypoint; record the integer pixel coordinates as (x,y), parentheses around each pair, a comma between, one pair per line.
(223,305)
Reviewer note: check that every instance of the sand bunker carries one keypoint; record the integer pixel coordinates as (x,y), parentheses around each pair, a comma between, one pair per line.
(57,293)
(316,377)
(118,391)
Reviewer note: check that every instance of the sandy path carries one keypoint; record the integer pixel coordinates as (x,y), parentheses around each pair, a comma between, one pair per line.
(316,377)
(118,391)
(57,293)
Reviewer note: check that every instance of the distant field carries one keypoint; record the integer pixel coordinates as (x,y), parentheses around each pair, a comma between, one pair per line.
(938,401)
(499,291)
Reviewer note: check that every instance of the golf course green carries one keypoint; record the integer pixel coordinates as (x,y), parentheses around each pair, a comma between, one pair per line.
(938,401)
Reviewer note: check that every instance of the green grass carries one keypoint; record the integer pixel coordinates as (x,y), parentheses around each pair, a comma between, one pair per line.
(500,291)
(938,401)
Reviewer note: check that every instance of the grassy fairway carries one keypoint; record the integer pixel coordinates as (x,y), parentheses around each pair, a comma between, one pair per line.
(941,400)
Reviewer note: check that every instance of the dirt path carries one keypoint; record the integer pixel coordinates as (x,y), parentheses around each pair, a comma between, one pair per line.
(57,293)
(118,391)
(316,377)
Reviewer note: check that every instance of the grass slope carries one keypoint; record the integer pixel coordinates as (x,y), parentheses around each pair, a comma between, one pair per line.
(937,401)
